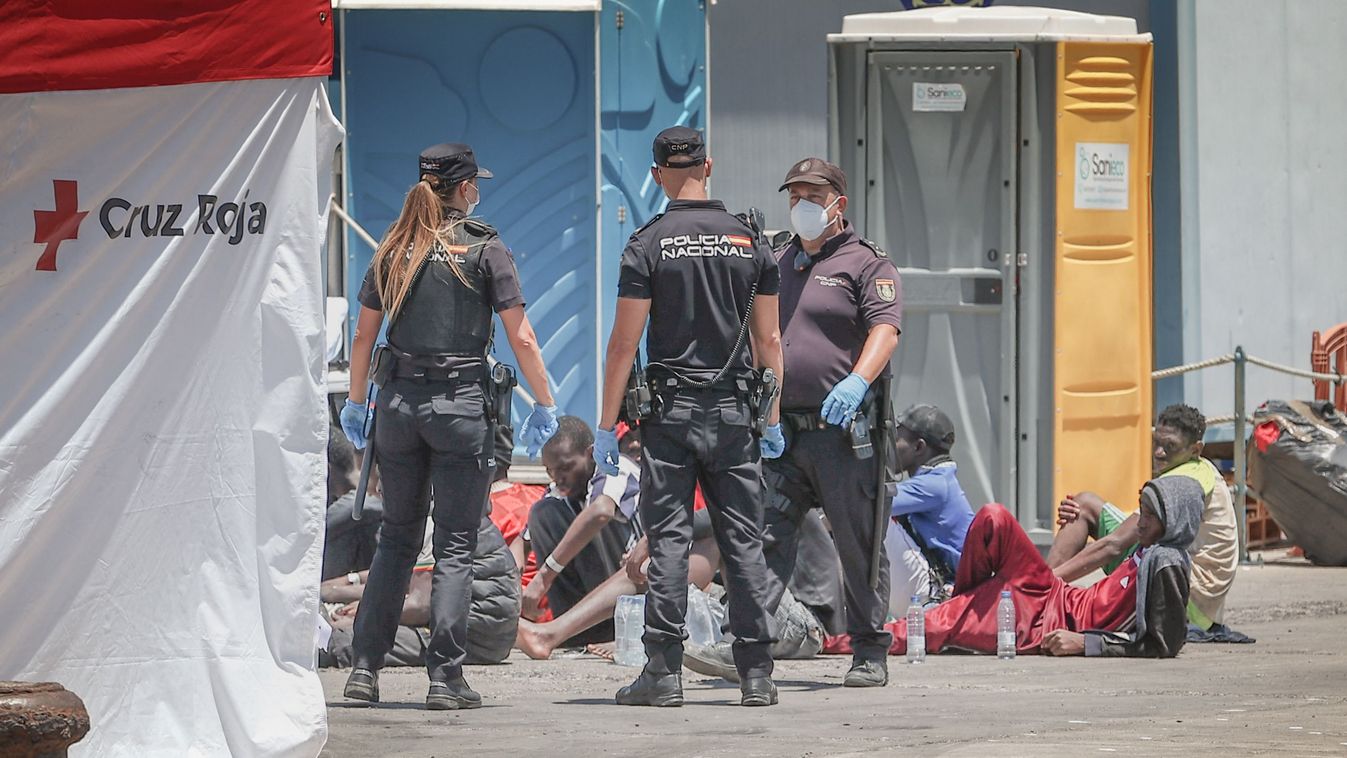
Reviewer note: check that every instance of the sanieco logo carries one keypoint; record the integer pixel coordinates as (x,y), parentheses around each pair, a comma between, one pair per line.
(121,218)
(1102,181)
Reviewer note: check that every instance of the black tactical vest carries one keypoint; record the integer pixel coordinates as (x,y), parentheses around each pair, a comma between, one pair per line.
(441,316)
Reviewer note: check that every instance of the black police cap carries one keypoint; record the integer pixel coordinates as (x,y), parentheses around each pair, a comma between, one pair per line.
(679,147)
(451,161)
(931,424)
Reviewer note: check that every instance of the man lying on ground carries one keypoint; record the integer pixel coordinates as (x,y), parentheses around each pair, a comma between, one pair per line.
(492,616)
(1177,451)
(582,529)
(930,511)
(348,545)
(1137,611)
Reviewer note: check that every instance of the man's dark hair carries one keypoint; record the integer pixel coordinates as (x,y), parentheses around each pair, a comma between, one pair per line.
(1186,419)
(340,453)
(573,435)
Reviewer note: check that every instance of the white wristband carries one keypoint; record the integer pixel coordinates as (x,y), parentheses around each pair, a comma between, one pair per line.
(551,563)
(353,578)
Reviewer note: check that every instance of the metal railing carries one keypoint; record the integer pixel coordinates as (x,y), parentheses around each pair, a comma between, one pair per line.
(1241,420)
(374,245)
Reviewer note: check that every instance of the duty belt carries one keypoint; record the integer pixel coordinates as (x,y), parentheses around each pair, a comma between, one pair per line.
(405,368)
(803,421)
(665,382)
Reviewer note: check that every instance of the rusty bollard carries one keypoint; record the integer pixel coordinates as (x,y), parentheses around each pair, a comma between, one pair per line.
(39,719)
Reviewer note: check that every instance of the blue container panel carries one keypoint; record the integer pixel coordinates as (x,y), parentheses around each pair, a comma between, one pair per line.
(519,87)
(654,76)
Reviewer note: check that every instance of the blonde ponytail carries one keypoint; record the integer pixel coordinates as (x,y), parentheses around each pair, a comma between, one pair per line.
(404,249)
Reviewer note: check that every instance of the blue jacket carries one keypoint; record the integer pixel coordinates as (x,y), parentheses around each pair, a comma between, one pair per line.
(938,510)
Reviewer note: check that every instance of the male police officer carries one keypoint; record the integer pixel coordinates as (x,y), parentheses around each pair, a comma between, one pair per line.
(841,313)
(704,281)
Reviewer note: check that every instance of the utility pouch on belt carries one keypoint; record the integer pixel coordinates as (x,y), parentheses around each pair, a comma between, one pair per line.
(764,391)
(639,402)
(861,444)
(502,384)
(381,365)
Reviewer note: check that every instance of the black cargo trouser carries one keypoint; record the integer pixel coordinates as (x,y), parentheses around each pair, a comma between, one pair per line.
(820,469)
(430,436)
(704,436)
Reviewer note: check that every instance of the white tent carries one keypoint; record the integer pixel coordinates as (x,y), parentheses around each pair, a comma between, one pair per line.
(162,420)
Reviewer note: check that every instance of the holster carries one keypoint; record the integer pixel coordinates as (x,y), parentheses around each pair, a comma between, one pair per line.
(381,365)
(639,402)
(763,390)
(500,386)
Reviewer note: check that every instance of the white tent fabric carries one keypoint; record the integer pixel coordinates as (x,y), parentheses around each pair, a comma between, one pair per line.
(162,424)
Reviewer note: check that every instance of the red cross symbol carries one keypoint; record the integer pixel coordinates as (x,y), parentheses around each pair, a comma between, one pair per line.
(54,227)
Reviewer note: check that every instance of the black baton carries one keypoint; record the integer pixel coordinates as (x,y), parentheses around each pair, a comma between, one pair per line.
(358,510)
(884,431)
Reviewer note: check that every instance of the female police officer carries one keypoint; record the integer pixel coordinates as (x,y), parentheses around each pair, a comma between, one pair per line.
(437,275)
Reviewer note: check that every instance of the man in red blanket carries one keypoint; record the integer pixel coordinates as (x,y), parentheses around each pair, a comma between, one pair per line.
(1139,610)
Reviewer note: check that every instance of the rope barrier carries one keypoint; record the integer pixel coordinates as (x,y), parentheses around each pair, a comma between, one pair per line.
(1220,360)
(1230,419)
(1337,378)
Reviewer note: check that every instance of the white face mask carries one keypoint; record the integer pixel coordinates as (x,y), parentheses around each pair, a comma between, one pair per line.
(810,220)
(473,204)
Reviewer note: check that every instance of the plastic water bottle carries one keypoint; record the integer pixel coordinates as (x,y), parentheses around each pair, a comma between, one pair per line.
(1005,627)
(628,625)
(701,625)
(916,631)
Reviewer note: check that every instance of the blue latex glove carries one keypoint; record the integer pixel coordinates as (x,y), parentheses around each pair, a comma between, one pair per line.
(773,442)
(840,405)
(538,428)
(605,450)
(353,423)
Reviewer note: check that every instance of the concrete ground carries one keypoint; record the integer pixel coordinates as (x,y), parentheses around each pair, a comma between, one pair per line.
(1285,695)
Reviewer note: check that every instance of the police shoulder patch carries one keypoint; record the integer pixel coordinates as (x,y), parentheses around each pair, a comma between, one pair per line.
(886,290)
(874,248)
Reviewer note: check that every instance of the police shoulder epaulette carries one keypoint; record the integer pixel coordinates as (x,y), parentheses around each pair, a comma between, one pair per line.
(874,248)
(479,229)
(647,224)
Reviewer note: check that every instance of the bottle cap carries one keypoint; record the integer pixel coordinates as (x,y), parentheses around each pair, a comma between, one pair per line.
(916,600)
(1005,593)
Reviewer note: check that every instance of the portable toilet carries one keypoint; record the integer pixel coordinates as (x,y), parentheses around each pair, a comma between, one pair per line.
(1004,154)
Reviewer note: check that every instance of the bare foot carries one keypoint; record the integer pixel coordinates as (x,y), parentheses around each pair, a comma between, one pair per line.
(605,650)
(533,641)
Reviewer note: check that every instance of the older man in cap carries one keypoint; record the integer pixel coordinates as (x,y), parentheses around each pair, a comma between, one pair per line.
(841,314)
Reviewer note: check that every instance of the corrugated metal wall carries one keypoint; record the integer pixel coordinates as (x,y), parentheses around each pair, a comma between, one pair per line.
(1271,187)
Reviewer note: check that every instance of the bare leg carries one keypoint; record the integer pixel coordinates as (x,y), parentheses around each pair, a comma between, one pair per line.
(1071,538)
(539,640)
(703,562)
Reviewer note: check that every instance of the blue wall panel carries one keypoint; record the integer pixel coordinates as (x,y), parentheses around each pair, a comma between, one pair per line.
(653,76)
(519,87)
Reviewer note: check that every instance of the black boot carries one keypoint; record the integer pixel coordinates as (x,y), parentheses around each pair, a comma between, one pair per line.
(362,684)
(867,673)
(659,690)
(454,695)
(757,691)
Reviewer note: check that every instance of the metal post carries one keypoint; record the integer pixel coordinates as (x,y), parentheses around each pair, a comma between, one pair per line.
(1241,467)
